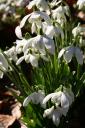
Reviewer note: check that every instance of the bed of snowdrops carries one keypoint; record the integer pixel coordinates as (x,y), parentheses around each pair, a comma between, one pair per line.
(53,48)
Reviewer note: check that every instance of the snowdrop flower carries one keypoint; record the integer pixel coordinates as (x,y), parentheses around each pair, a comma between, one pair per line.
(35,98)
(37,15)
(11,53)
(60,98)
(62,101)
(42,5)
(81,4)
(34,48)
(40,42)
(59,14)
(52,31)
(19,45)
(3,65)
(70,52)
(35,18)
(78,31)
(29,58)
(55,114)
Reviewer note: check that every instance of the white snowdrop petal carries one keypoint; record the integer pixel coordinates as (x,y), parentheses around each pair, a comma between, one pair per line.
(28,44)
(50,31)
(56,117)
(30,98)
(61,53)
(49,44)
(56,98)
(33,60)
(48,112)
(69,54)
(33,28)
(18,32)
(64,100)
(20,60)
(23,21)
(47,98)
(79,55)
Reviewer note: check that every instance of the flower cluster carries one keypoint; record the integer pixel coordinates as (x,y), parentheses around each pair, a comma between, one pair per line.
(43,36)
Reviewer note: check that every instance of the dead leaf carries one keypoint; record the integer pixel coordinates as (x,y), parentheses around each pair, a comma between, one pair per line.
(6,120)
(16,110)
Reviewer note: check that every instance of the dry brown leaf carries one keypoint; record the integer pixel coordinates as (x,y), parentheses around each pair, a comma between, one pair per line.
(6,120)
(16,110)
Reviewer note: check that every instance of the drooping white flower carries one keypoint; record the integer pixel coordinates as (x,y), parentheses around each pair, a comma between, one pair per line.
(40,43)
(79,30)
(63,99)
(81,4)
(35,98)
(11,53)
(3,65)
(70,52)
(54,114)
(62,102)
(19,45)
(59,14)
(35,17)
(52,31)
(42,5)
(34,48)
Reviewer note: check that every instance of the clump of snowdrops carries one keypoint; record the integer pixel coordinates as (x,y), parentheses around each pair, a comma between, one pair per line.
(51,51)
